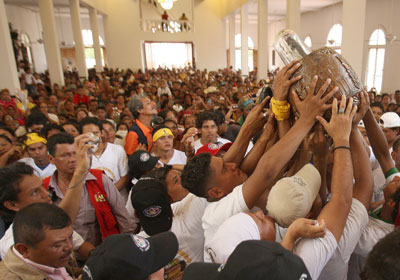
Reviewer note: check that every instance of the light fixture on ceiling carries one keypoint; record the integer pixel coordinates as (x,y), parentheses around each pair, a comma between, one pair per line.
(331,41)
(167,4)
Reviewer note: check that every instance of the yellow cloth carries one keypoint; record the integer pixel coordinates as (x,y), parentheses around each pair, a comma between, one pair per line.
(281,109)
(162,132)
(33,138)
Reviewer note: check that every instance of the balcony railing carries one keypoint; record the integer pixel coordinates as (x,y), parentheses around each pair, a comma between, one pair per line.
(171,26)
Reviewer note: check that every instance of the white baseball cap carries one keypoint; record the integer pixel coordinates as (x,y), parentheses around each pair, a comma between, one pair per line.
(389,120)
(292,197)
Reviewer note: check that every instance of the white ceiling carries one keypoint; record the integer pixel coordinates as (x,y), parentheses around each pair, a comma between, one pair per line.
(276,8)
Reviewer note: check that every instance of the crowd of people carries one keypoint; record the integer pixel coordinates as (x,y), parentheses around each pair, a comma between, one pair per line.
(196,174)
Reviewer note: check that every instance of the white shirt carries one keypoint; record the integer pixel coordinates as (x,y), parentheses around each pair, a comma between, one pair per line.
(357,221)
(29,79)
(165,90)
(186,224)
(316,252)
(178,157)
(41,173)
(236,229)
(8,240)
(114,162)
(217,212)
(375,231)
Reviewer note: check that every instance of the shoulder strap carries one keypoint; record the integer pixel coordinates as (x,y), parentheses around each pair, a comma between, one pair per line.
(142,139)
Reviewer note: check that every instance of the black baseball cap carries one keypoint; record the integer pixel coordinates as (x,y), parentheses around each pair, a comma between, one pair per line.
(152,205)
(129,256)
(140,162)
(252,259)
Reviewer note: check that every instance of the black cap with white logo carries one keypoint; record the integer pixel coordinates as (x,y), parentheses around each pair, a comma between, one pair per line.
(128,256)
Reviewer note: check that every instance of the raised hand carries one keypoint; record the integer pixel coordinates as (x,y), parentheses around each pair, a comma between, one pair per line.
(364,105)
(83,160)
(284,80)
(256,119)
(314,104)
(339,127)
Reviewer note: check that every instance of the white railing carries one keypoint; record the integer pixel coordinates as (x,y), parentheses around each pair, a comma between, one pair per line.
(171,26)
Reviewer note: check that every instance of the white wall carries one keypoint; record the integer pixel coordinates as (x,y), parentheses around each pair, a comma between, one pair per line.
(379,14)
(28,21)
(124,47)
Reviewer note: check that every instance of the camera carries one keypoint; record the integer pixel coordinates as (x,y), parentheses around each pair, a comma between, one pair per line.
(95,140)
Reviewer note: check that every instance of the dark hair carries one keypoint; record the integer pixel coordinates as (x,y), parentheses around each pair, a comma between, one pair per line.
(90,120)
(101,108)
(220,117)
(396,145)
(6,128)
(32,220)
(206,116)
(45,130)
(59,138)
(383,261)
(196,174)
(396,199)
(6,138)
(377,104)
(164,113)
(122,123)
(36,118)
(106,122)
(10,178)
(160,173)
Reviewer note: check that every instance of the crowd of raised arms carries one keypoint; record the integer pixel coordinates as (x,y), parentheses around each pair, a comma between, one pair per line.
(197,174)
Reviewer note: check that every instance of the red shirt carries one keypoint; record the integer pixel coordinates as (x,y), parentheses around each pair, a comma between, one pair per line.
(80,99)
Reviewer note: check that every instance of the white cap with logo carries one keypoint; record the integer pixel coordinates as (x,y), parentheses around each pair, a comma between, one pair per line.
(389,120)
(292,197)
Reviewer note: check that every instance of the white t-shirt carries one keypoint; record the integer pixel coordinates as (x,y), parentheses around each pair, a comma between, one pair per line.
(375,231)
(114,162)
(186,224)
(41,173)
(316,252)
(236,229)
(178,157)
(357,221)
(217,212)
(8,240)
(29,79)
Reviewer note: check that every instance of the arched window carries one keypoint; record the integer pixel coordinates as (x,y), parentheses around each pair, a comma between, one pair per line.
(89,50)
(335,38)
(308,42)
(376,58)
(238,52)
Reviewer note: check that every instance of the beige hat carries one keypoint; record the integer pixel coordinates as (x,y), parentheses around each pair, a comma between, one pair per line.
(292,197)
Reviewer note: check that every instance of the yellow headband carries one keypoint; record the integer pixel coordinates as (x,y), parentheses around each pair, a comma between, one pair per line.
(162,132)
(33,138)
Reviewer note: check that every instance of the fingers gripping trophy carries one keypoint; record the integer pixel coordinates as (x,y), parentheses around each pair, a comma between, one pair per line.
(324,62)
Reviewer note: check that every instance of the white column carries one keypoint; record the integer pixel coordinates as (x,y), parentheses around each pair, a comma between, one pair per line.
(262,60)
(293,15)
(77,32)
(232,34)
(51,46)
(353,34)
(94,25)
(8,67)
(244,35)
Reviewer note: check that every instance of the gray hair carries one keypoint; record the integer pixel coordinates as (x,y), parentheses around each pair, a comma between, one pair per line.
(136,103)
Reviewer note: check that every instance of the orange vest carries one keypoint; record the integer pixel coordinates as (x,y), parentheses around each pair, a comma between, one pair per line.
(98,197)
